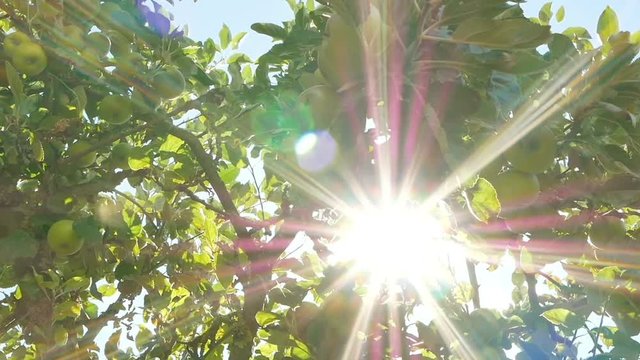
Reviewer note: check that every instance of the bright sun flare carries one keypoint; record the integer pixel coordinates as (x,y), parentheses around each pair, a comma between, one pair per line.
(395,242)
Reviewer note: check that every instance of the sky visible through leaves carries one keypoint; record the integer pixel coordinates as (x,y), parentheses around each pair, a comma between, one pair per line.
(204,19)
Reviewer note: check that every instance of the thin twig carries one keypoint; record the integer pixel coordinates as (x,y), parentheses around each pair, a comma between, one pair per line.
(534,302)
(473,279)
(595,339)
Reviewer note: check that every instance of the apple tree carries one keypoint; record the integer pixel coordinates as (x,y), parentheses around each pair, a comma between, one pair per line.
(176,199)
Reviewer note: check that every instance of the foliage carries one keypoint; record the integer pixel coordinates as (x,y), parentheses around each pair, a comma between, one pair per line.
(179,164)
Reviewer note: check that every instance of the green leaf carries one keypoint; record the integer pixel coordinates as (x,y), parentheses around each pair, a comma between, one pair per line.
(272,30)
(525,62)
(560,14)
(143,337)
(91,309)
(81,98)
(607,24)
(89,229)
(140,163)
(518,33)
(69,309)
(210,228)
(225,36)
(124,269)
(172,144)
(229,174)
(545,13)
(609,273)
(77,283)
(565,318)
(15,82)
(526,261)
(19,244)
(577,32)
(301,352)
(264,318)
(107,289)
(237,38)
(484,200)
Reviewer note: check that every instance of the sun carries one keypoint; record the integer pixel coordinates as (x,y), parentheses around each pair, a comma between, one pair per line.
(397,242)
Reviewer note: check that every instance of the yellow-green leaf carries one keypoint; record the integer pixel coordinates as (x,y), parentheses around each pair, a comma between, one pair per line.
(563,317)
(607,24)
(484,200)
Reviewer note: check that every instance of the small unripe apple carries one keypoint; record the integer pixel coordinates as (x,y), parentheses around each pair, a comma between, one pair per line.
(169,83)
(324,104)
(120,45)
(516,189)
(81,147)
(29,58)
(115,109)
(534,153)
(73,36)
(63,239)
(120,155)
(15,40)
(340,56)
(606,230)
(130,64)
(99,43)
(308,80)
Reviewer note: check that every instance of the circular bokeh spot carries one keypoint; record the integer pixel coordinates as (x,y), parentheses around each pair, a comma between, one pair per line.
(316,150)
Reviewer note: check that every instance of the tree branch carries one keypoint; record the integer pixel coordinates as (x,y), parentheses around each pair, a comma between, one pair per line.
(534,302)
(473,279)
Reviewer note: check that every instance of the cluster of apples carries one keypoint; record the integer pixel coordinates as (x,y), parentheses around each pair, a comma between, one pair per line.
(326,328)
(519,187)
(329,90)
(518,190)
(82,35)
(26,55)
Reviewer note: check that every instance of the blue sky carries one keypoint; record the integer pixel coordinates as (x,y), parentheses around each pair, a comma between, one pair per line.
(205,17)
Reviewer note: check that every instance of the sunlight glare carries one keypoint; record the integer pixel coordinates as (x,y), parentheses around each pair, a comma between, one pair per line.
(397,242)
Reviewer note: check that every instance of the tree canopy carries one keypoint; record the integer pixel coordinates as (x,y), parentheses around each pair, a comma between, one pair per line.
(193,203)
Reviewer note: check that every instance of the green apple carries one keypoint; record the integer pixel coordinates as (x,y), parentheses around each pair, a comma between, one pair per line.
(535,153)
(169,83)
(308,79)
(340,58)
(76,151)
(29,58)
(130,64)
(115,109)
(120,155)
(303,315)
(324,104)
(15,40)
(99,43)
(606,230)
(120,45)
(492,169)
(63,239)
(91,64)
(516,189)
(73,36)
(485,324)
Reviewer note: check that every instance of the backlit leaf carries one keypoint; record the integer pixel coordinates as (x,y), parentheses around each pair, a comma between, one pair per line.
(607,24)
